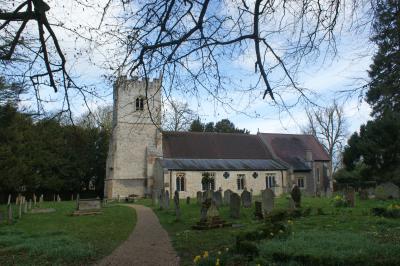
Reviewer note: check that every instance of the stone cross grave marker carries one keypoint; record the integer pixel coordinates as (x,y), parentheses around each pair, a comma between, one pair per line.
(258,213)
(246,198)
(350,196)
(188,200)
(199,197)
(227,196)
(167,199)
(267,197)
(176,204)
(217,198)
(234,206)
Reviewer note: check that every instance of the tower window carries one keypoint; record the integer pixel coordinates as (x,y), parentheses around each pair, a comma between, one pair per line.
(139,104)
(180,182)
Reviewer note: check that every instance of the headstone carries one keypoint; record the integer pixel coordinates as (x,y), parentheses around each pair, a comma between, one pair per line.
(387,190)
(89,204)
(72,197)
(10,213)
(267,197)
(203,211)
(187,200)
(246,198)
(176,204)
(217,198)
(41,199)
(363,193)
(199,197)
(227,196)
(77,201)
(234,205)
(209,194)
(292,204)
(258,213)
(58,198)
(166,200)
(296,196)
(34,200)
(9,199)
(212,211)
(30,205)
(350,196)
(25,206)
(161,199)
(20,209)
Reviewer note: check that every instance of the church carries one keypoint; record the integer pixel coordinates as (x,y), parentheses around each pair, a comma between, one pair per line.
(143,159)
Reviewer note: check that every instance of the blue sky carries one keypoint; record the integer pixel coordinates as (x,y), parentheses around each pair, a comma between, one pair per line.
(323,76)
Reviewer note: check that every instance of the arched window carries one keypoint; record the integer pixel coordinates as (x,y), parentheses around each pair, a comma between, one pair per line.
(208,181)
(270,181)
(180,182)
(240,181)
(139,104)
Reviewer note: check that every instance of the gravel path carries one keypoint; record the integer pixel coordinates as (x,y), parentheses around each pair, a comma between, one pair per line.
(148,244)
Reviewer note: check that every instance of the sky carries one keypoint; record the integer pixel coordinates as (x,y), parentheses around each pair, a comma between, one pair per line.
(325,77)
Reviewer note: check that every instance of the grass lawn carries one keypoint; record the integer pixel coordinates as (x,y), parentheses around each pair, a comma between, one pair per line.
(338,236)
(60,239)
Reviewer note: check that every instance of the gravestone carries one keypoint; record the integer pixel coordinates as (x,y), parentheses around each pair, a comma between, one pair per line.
(20,209)
(217,198)
(166,206)
(296,196)
(41,199)
(34,200)
(199,197)
(227,196)
(209,217)
(292,204)
(88,207)
(58,198)
(267,197)
(208,194)
(30,205)
(387,190)
(161,199)
(9,199)
(258,213)
(176,204)
(246,198)
(203,211)
(234,205)
(212,211)
(25,206)
(363,194)
(10,213)
(350,196)
(187,200)
(72,197)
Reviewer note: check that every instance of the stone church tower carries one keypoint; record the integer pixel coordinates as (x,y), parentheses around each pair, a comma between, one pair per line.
(136,139)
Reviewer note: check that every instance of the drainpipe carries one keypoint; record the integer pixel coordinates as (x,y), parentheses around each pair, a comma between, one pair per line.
(282,180)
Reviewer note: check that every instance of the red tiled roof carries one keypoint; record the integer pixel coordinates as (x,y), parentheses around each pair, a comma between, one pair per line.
(290,146)
(205,145)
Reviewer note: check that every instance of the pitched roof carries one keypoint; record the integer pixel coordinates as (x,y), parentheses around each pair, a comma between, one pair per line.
(223,164)
(291,147)
(206,145)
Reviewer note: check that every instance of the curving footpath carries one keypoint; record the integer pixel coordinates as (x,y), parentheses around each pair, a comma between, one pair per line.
(148,244)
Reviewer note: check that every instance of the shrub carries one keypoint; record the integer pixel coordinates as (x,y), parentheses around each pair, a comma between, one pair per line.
(391,211)
(340,201)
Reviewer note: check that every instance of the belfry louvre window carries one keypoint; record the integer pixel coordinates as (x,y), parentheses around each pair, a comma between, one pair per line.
(240,181)
(139,104)
(180,181)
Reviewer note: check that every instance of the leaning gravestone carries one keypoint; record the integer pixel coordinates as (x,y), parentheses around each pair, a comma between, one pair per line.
(267,197)
(258,210)
(227,196)
(199,197)
(246,199)
(217,198)
(349,196)
(234,206)
(387,190)
(176,204)
(166,206)
(296,196)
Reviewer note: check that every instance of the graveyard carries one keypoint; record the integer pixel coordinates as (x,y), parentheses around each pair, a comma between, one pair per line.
(317,233)
(59,238)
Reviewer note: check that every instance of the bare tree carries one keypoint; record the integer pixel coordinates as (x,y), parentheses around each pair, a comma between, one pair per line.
(188,42)
(329,126)
(101,117)
(177,116)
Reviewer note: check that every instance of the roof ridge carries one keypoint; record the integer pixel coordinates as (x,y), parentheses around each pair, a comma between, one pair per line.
(206,133)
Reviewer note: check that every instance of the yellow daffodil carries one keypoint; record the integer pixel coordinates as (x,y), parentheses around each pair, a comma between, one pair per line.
(196,259)
(205,255)
(217,262)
